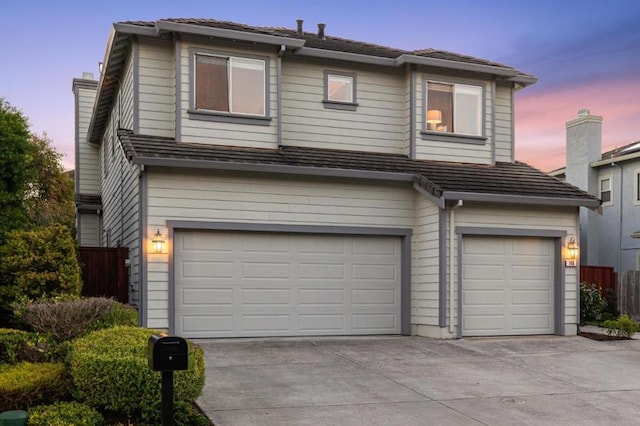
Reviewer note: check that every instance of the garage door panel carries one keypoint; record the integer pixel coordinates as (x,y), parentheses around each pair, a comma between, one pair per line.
(324,271)
(206,296)
(484,271)
(542,297)
(374,297)
(321,297)
(317,286)
(507,286)
(483,247)
(324,323)
(484,297)
(375,246)
(375,272)
(204,269)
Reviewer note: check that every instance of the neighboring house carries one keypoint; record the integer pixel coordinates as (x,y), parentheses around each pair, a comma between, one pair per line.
(609,238)
(296,183)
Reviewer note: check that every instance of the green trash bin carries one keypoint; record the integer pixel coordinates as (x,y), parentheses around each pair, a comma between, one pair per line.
(14,418)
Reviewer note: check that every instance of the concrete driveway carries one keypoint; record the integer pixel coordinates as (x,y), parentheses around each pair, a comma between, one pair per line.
(418,381)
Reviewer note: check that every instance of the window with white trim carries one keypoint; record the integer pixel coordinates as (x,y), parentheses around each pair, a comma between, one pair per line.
(606,190)
(340,90)
(230,84)
(453,108)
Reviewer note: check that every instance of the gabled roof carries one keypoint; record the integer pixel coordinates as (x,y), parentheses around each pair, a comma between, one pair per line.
(306,44)
(503,182)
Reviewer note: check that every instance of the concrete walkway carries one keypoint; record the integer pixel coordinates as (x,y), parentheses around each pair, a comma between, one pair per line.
(418,381)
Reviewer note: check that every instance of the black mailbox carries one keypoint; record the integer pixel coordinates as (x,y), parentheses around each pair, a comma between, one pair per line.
(167,353)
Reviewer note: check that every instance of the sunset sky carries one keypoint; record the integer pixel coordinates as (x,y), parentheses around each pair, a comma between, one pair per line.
(586,54)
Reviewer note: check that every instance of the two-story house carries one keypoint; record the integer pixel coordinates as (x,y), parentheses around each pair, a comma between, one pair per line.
(610,237)
(279,182)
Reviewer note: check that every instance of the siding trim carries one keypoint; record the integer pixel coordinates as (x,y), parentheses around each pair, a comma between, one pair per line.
(271,168)
(559,270)
(412,112)
(279,98)
(135,51)
(405,255)
(178,71)
(493,121)
(513,126)
(520,199)
(143,235)
(442,268)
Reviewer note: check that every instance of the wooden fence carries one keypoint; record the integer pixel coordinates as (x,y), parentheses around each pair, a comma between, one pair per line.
(104,272)
(605,277)
(629,293)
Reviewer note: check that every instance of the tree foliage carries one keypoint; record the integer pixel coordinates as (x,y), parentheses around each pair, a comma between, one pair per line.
(34,190)
(40,263)
(15,155)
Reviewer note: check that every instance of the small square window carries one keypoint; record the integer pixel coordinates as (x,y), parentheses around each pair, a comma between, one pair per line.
(606,191)
(340,90)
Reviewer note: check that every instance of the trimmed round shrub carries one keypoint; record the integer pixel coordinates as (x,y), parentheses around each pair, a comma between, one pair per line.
(65,414)
(27,384)
(119,315)
(110,371)
(19,345)
(592,304)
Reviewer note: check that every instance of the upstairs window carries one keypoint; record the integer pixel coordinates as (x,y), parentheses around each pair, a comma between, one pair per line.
(340,90)
(230,84)
(454,108)
(606,193)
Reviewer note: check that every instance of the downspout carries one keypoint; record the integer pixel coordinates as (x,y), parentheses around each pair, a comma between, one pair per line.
(279,92)
(412,112)
(452,235)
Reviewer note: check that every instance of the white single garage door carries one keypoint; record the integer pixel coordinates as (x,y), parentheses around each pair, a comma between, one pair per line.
(242,284)
(507,286)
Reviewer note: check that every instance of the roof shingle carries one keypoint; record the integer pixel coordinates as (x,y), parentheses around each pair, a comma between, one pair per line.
(509,179)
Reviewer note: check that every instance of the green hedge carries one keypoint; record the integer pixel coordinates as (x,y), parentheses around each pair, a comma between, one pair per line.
(110,371)
(19,345)
(27,384)
(65,414)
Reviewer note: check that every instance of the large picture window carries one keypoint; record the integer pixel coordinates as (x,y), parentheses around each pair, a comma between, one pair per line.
(454,108)
(230,84)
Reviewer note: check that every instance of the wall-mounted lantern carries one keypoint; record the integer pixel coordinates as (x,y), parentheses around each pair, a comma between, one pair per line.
(158,242)
(571,253)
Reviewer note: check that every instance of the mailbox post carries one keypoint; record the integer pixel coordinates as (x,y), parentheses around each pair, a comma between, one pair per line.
(167,354)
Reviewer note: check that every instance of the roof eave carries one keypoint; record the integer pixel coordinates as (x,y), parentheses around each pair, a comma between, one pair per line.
(272,168)
(510,74)
(345,56)
(618,159)
(521,199)
(167,26)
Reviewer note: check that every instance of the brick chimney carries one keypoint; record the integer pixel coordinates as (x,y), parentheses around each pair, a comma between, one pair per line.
(321,28)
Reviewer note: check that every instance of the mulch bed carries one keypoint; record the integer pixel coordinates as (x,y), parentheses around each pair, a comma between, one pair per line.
(601,337)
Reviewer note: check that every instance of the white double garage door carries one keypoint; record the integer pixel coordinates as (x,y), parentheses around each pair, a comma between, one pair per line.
(242,284)
(251,284)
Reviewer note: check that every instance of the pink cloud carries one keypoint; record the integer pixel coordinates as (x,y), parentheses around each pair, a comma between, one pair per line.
(541,118)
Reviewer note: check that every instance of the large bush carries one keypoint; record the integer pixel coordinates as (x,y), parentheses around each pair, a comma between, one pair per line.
(65,414)
(39,263)
(67,319)
(110,371)
(592,304)
(19,345)
(25,384)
